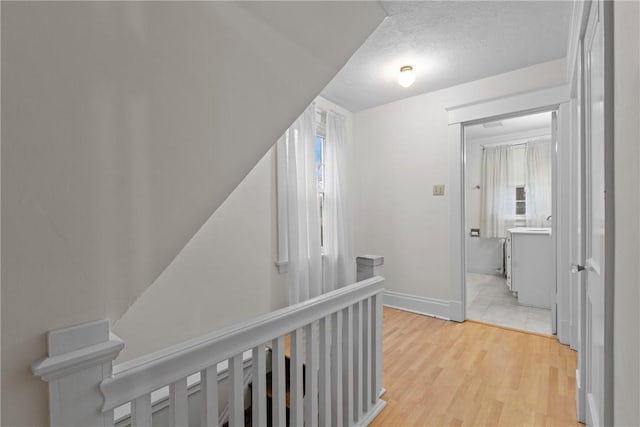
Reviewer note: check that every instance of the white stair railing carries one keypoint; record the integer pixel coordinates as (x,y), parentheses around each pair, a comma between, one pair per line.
(335,368)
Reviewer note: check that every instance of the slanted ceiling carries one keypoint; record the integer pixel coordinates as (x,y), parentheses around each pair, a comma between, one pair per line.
(449,43)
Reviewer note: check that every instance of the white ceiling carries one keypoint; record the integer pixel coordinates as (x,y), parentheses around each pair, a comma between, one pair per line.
(539,122)
(449,43)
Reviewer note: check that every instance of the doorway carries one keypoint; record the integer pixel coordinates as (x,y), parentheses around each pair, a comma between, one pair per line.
(546,100)
(509,239)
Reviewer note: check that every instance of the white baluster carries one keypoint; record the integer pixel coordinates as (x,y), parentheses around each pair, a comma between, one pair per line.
(311,380)
(347,366)
(366,356)
(236,392)
(209,396)
(278,386)
(178,404)
(296,388)
(259,387)
(336,370)
(357,361)
(141,411)
(377,386)
(324,373)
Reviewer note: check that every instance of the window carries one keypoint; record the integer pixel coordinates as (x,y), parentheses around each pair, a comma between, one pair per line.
(521,201)
(326,206)
(320,170)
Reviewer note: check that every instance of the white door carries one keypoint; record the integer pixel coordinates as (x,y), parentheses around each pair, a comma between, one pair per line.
(597,348)
(554,218)
(578,250)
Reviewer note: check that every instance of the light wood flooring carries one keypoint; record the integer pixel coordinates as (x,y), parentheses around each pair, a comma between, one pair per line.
(440,373)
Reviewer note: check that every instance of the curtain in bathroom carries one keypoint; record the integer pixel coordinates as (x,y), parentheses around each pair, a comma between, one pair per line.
(302,208)
(497,191)
(339,267)
(537,171)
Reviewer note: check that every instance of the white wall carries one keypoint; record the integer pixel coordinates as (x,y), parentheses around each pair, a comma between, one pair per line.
(473,177)
(125,125)
(400,152)
(626,335)
(483,255)
(225,274)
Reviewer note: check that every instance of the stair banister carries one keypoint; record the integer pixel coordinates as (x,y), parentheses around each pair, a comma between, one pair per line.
(335,357)
(134,378)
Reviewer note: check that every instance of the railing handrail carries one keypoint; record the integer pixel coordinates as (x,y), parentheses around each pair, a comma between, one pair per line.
(145,374)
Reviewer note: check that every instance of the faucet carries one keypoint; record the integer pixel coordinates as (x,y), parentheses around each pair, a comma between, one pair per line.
(549,218)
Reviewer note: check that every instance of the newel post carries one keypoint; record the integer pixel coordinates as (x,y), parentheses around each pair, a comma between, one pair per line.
(369,266)
(80,357)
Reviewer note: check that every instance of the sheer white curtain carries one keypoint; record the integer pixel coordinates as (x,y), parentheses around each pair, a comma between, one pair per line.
(339,268)
(296,165)
(537,175)
(497,192)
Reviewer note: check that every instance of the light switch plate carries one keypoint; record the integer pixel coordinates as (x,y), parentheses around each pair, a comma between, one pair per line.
(438,190)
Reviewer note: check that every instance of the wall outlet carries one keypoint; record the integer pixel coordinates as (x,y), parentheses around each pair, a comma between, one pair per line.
(438,190)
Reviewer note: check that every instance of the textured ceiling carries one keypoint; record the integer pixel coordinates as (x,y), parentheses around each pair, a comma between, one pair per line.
(449,43)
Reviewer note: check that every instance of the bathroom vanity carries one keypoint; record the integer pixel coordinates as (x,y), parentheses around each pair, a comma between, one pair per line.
(530,265)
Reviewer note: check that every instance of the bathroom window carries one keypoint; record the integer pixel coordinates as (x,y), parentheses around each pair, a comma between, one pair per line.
(521,201)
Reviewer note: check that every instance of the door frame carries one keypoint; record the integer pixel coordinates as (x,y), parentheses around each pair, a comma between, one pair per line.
(555,98)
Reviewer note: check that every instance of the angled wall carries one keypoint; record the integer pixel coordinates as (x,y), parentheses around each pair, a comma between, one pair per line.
(225,274)
(125,126)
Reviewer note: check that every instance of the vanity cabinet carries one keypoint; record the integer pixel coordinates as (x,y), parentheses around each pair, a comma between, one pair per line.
(530,266)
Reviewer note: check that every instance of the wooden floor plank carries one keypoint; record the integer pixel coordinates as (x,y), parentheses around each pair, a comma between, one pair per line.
(440,373)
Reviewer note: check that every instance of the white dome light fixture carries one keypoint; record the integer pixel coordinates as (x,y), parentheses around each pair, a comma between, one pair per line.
(407,76)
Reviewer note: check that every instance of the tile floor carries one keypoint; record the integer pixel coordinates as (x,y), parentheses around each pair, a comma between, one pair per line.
(489,300)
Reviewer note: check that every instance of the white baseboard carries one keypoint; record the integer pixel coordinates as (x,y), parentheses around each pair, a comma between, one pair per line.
(373,413)
(456,311)
(417,304)
(564,331)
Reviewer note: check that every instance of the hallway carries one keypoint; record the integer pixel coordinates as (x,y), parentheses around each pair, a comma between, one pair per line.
(440,373)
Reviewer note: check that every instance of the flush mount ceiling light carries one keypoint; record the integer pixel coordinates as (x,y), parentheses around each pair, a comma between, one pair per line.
(407,76)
